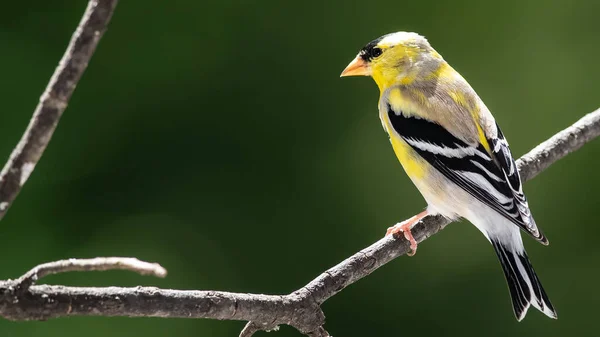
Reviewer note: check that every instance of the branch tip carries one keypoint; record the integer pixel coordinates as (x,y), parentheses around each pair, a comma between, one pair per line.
(249,329)
(96,264)
(320,332)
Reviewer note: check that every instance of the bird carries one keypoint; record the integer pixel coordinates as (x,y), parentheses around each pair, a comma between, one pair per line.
(454,152)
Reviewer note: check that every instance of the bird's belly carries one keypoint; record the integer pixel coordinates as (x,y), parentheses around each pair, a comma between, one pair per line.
(448,199)
(442,196)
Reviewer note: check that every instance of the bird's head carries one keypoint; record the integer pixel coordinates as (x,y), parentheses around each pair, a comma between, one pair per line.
(397,58)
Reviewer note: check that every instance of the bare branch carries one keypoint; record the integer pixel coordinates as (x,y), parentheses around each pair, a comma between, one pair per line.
(97,264)
(41,302)
(54,101)
(300,309)
(320,332)
(561,144)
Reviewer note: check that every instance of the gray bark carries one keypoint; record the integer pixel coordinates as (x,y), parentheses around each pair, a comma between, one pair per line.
(54,101)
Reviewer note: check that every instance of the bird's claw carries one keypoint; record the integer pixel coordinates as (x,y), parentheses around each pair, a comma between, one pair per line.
(404,227)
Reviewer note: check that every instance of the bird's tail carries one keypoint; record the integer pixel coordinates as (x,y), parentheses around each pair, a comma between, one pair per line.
(524,285)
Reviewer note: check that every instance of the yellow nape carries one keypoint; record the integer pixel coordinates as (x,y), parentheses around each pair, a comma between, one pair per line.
(443,71)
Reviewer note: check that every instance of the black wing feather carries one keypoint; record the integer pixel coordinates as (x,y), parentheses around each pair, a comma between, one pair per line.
(465,165)
(506,162)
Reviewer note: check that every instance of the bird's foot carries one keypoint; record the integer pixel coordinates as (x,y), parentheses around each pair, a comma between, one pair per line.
(405,227)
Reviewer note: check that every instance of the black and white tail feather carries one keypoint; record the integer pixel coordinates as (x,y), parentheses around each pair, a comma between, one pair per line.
(524,286)
(493,179)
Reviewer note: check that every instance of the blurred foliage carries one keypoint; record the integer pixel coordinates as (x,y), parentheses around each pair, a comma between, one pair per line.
(216,138)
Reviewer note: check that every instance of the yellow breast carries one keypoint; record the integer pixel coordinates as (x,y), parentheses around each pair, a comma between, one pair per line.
(415,166)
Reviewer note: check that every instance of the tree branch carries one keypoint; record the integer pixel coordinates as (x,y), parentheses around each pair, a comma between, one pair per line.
(97,264)
(300,309)
(558,146)
(54,100)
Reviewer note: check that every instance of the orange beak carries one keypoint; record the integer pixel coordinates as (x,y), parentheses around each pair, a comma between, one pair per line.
(358,67)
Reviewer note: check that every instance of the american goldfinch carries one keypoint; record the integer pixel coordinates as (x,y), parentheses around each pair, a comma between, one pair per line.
(454,152)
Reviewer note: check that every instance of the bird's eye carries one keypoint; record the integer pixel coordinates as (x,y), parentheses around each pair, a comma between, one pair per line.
(369,52)
(376,52)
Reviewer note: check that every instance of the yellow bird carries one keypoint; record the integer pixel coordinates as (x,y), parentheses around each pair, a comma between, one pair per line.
(454,152)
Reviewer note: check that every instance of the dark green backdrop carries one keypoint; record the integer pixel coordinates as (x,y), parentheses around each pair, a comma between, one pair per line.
(216,138)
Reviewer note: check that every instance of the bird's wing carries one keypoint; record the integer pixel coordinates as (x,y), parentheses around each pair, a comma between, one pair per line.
(506,163)
(491,178)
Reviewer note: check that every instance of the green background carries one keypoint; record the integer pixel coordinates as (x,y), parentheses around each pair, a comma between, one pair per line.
(216,138)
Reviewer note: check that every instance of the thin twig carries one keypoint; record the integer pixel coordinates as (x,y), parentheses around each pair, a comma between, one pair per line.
(300,309)
(320,332)
(97,264)
(54,101)
(249,329)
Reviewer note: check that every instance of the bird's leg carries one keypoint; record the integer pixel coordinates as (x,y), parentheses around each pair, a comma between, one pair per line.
(405,227)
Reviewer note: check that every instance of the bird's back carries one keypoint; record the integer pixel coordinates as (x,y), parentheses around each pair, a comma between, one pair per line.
(449,101)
